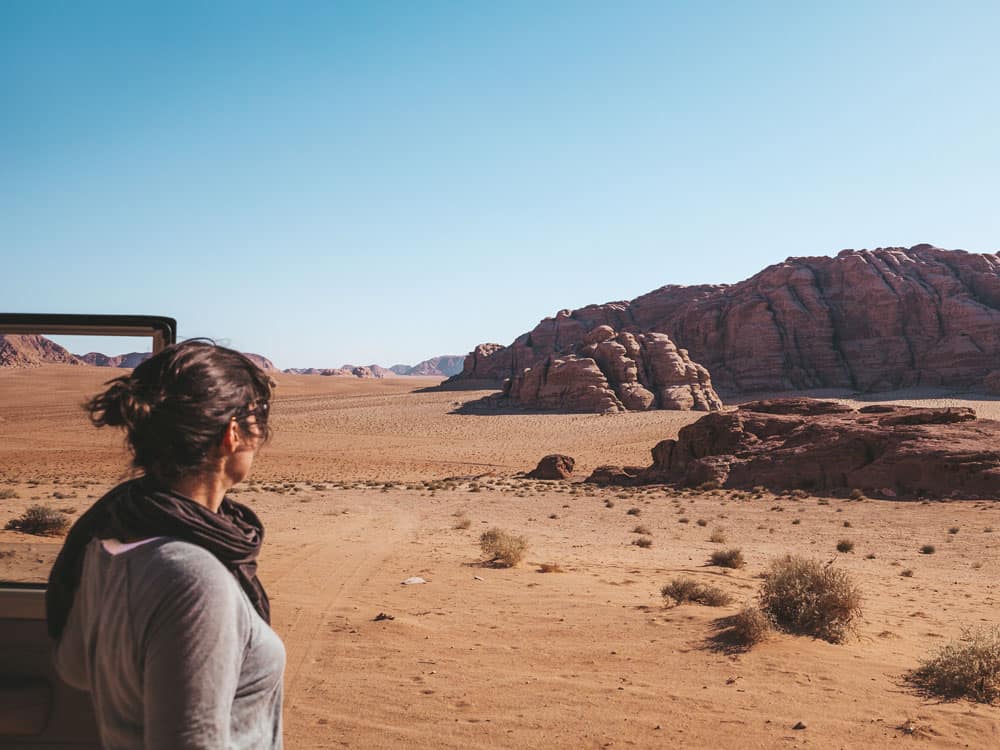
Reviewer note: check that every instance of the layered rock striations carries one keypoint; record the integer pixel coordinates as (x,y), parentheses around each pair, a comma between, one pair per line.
(614,372)
(823,447)
(868,320)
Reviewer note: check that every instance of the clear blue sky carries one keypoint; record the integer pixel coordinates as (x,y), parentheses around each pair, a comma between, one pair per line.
(382,182)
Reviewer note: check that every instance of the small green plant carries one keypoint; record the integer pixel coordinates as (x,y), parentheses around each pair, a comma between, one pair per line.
(728,558)
(811,598)
(966,668)
(845,545)
(502,547)
(684,590)
(39,520)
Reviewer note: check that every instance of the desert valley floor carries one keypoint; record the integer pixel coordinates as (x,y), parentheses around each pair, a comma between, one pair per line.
(369,482)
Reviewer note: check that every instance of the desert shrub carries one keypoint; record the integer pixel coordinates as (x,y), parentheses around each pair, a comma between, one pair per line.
(807,597)
(633,511)
(796,521)
(847,524)
(640,529)
(748,627)
(953,530)
(928,549)
(550,568)
(966,668)
(609,503)
(644,541)
(683,590)
(728,558)
(845,545)
(701,522)
(906,573)
(502,547)
(718,536)
(40,520)
(7,494)
(463,522)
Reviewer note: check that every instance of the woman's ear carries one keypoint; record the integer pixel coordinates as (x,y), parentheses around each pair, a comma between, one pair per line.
(231,438)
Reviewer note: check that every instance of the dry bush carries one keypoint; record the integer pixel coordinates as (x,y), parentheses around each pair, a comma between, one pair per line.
(966,668)
(953,530)
(463,522)
(40,520)
(748,627)
(907,573)
(683,590)
(8,494)
(550,568)
(701,522)
(640,529)
(728,558)
(845,545)
(718,536)
(807,597)
(644,541)
(502,547)
(633,511)
(928,549)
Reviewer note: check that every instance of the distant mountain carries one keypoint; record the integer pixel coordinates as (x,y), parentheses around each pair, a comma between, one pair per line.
(261,361)
(371,371)
(444,366)
(32,351)
(128,361)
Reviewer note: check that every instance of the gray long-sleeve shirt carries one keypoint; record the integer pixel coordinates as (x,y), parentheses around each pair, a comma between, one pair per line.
(172,652)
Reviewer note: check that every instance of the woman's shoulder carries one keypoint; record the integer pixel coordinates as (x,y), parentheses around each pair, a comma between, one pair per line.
(173,567)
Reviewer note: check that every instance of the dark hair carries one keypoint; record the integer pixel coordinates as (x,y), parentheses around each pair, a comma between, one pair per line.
(176,405)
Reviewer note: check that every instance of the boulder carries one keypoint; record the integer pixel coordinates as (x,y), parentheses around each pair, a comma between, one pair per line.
(825,447)
(553,466)
(867,320)
(615,372)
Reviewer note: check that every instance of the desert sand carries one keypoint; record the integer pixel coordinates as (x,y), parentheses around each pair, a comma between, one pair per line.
(366,483)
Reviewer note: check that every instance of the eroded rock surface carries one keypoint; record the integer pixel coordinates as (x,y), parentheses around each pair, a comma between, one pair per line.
(824,447)
(868,320)
(553,466)
(614,372)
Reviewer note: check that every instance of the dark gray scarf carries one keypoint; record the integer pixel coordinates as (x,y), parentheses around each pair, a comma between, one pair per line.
(139,509)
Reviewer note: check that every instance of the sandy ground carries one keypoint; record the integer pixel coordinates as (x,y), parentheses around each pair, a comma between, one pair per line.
(480,657)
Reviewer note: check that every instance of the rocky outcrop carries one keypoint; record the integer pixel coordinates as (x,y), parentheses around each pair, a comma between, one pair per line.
(865,320)
(826,447)
(31,351)
(553,466)
(613,372)
(128,361)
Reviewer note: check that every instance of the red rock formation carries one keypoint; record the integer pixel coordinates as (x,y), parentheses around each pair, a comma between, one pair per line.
(553,466)
(827,447)
(611,372)
(867,320)
(31,351)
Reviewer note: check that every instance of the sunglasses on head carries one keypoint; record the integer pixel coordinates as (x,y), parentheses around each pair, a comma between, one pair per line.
(258,409)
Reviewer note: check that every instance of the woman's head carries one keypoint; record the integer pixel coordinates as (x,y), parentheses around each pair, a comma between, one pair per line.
(177,406)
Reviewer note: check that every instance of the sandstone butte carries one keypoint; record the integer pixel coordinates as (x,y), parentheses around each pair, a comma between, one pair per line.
(825,447)
(868,320)
(614,372)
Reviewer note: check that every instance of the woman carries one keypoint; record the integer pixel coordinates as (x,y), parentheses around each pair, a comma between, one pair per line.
(154,601)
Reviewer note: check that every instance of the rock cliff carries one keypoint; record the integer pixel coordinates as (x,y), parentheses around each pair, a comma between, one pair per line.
(868,320)
(614,372)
